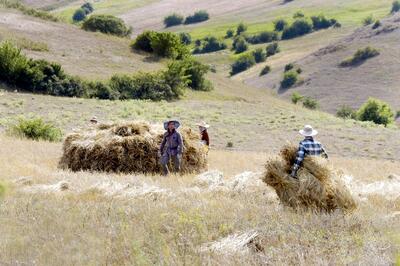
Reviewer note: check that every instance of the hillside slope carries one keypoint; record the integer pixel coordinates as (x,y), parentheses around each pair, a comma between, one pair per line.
(333,85)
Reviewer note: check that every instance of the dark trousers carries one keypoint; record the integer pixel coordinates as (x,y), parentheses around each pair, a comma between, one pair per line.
(166,158)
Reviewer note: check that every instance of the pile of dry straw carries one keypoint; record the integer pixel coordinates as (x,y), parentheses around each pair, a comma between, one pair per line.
(127,148)
(318,188)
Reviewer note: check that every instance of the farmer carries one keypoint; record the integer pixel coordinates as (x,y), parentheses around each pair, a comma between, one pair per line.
(93,121)
(308,147)
(204,139)
(171,146)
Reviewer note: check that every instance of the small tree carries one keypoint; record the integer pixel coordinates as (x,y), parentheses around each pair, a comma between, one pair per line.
(395,6)
(288,67)
(376,111)
(168,44)
(310,103)
(79,15)
(265,70)
(368,20)
(298,28)
(88,7)
(107,24)
(259,55)
(321,22)
(296,97)
(197,17)
(240,45)
(280,24)
(272,49)
(289,79)
(210,44)
(229,33)
(173,20)
(242,63)
(185,38)
(241,28)
(143,41)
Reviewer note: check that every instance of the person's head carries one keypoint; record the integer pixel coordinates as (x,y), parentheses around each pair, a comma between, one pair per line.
(203,126)
(171,125)
(93,120)
(308,131)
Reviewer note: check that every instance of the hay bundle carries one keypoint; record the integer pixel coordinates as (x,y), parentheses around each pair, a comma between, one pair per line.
(318,188)
(127,148)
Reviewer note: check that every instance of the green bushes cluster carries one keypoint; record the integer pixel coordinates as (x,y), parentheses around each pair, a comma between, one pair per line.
(289,79)
(259,55)
(376,111)
(28,10)
(186,38)
(243,63)
(162,44)
(107,24)
(239,45)
(208,45)
(197,17)
(241,28)
(229,33)
(272,49)
(263,37)
(173,20)
(310,103)
(360,56)
(321,22)
(280,24)
(298,28)
(81,13)
(296,97)
(35,129)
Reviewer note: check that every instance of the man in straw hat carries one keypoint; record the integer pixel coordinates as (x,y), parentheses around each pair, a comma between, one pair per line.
(171,146)
(204,138)
(308,147)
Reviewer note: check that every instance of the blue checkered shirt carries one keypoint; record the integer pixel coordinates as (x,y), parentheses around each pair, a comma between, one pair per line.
(308,147)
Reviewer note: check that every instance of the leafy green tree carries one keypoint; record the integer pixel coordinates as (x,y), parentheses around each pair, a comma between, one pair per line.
(296,97)
(289,79)
(376,111)
(272,49)
(242,63)
(241,28)
(79,15)
(298,28)
(259,55)
(280,24)
(240,45)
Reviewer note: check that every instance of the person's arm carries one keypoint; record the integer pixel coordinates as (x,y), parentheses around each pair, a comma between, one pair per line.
(206,138)
(180,143)
(324,153)
(299,159)
(164,140)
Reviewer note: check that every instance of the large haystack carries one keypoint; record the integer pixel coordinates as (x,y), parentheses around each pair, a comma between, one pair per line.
(318,188)
(127,148)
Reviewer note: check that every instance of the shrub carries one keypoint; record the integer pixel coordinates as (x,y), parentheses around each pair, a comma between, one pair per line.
(280,24)
(310,103)
(107,24)
(346,112)
(195,73)
(368,20)
(241,28)
(102,91)
(272,49)
(298,28)
(259,55)
(199,16)
(143,41)
(298,14)
(263,37)
(360,56)
(239,45)
(296,97)
(377,24)
(376,111)
(321,22)
(288,67)
(395,6)
(185,38)
(242,63)
(36,129)
(229,33)
(265,70)
(229,144)
(210,44)
(173,20)
(88,7)
(289,79)
(79,15)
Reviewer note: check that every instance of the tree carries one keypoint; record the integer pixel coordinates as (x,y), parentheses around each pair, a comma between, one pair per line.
(242,63)
(79,15)
(199,16)
(272,49)
(298,28)
(88,7)
(173,20)
(168,44)
(185,38)
(241,28)
(229,33)
(289,79)
(259,55)
(280,24)
(376,111)
(296,97)
(240,45)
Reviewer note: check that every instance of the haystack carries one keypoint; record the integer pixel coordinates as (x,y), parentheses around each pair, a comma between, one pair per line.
(127,148)
(318,188)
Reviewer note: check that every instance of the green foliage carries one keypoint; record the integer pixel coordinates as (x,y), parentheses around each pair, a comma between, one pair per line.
(377,24)
(173,20)
(88,7)
(242,63)
(376,111)
(296,97)
(143,41)
(195,73)
(346,112)
(241,28)
(259,55)
(298,28)
(289,79)
(197,17)
(209,44)
(321,22)
(101,91)
(280,24)
(310,103)
(395,6)
(265,70)
(263,37)
(239,45)
(79,15)
(229,33)
(288,67)
(28,10)
(298,14)
(186,39)
(360,56)
(36,129)
(272,49)
(107,24)
(368,20)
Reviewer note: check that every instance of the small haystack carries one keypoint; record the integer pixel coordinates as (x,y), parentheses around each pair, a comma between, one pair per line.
(318,187)
(127,148)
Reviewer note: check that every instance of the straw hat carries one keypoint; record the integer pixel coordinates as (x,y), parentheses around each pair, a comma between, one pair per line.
(176,122)
(93,119)
(308,131)
(203,124)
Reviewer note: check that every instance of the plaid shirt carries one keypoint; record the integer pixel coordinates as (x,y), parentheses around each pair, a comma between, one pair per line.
(308,147)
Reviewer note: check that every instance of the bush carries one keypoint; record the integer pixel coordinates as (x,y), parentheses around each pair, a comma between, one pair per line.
(143,41)
(36,129)
(298,28)
(199,16)
(241,28)
(377,24)
(395,6)
(186,39)
(296,97)
(263,37)
(210,44)
(242,63)
(298,14)
(280,24)
(360,56)
(259,55)
(195,73)
(107,24)
(288,67)
(289,79)
(79,15)
(102,91)
(88,7)
(265,70)
(310,103)
(376,111)
(173,20)
(346,112)
(229,33)
(368,20)
(239,45)
(272,49)
(321,22)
